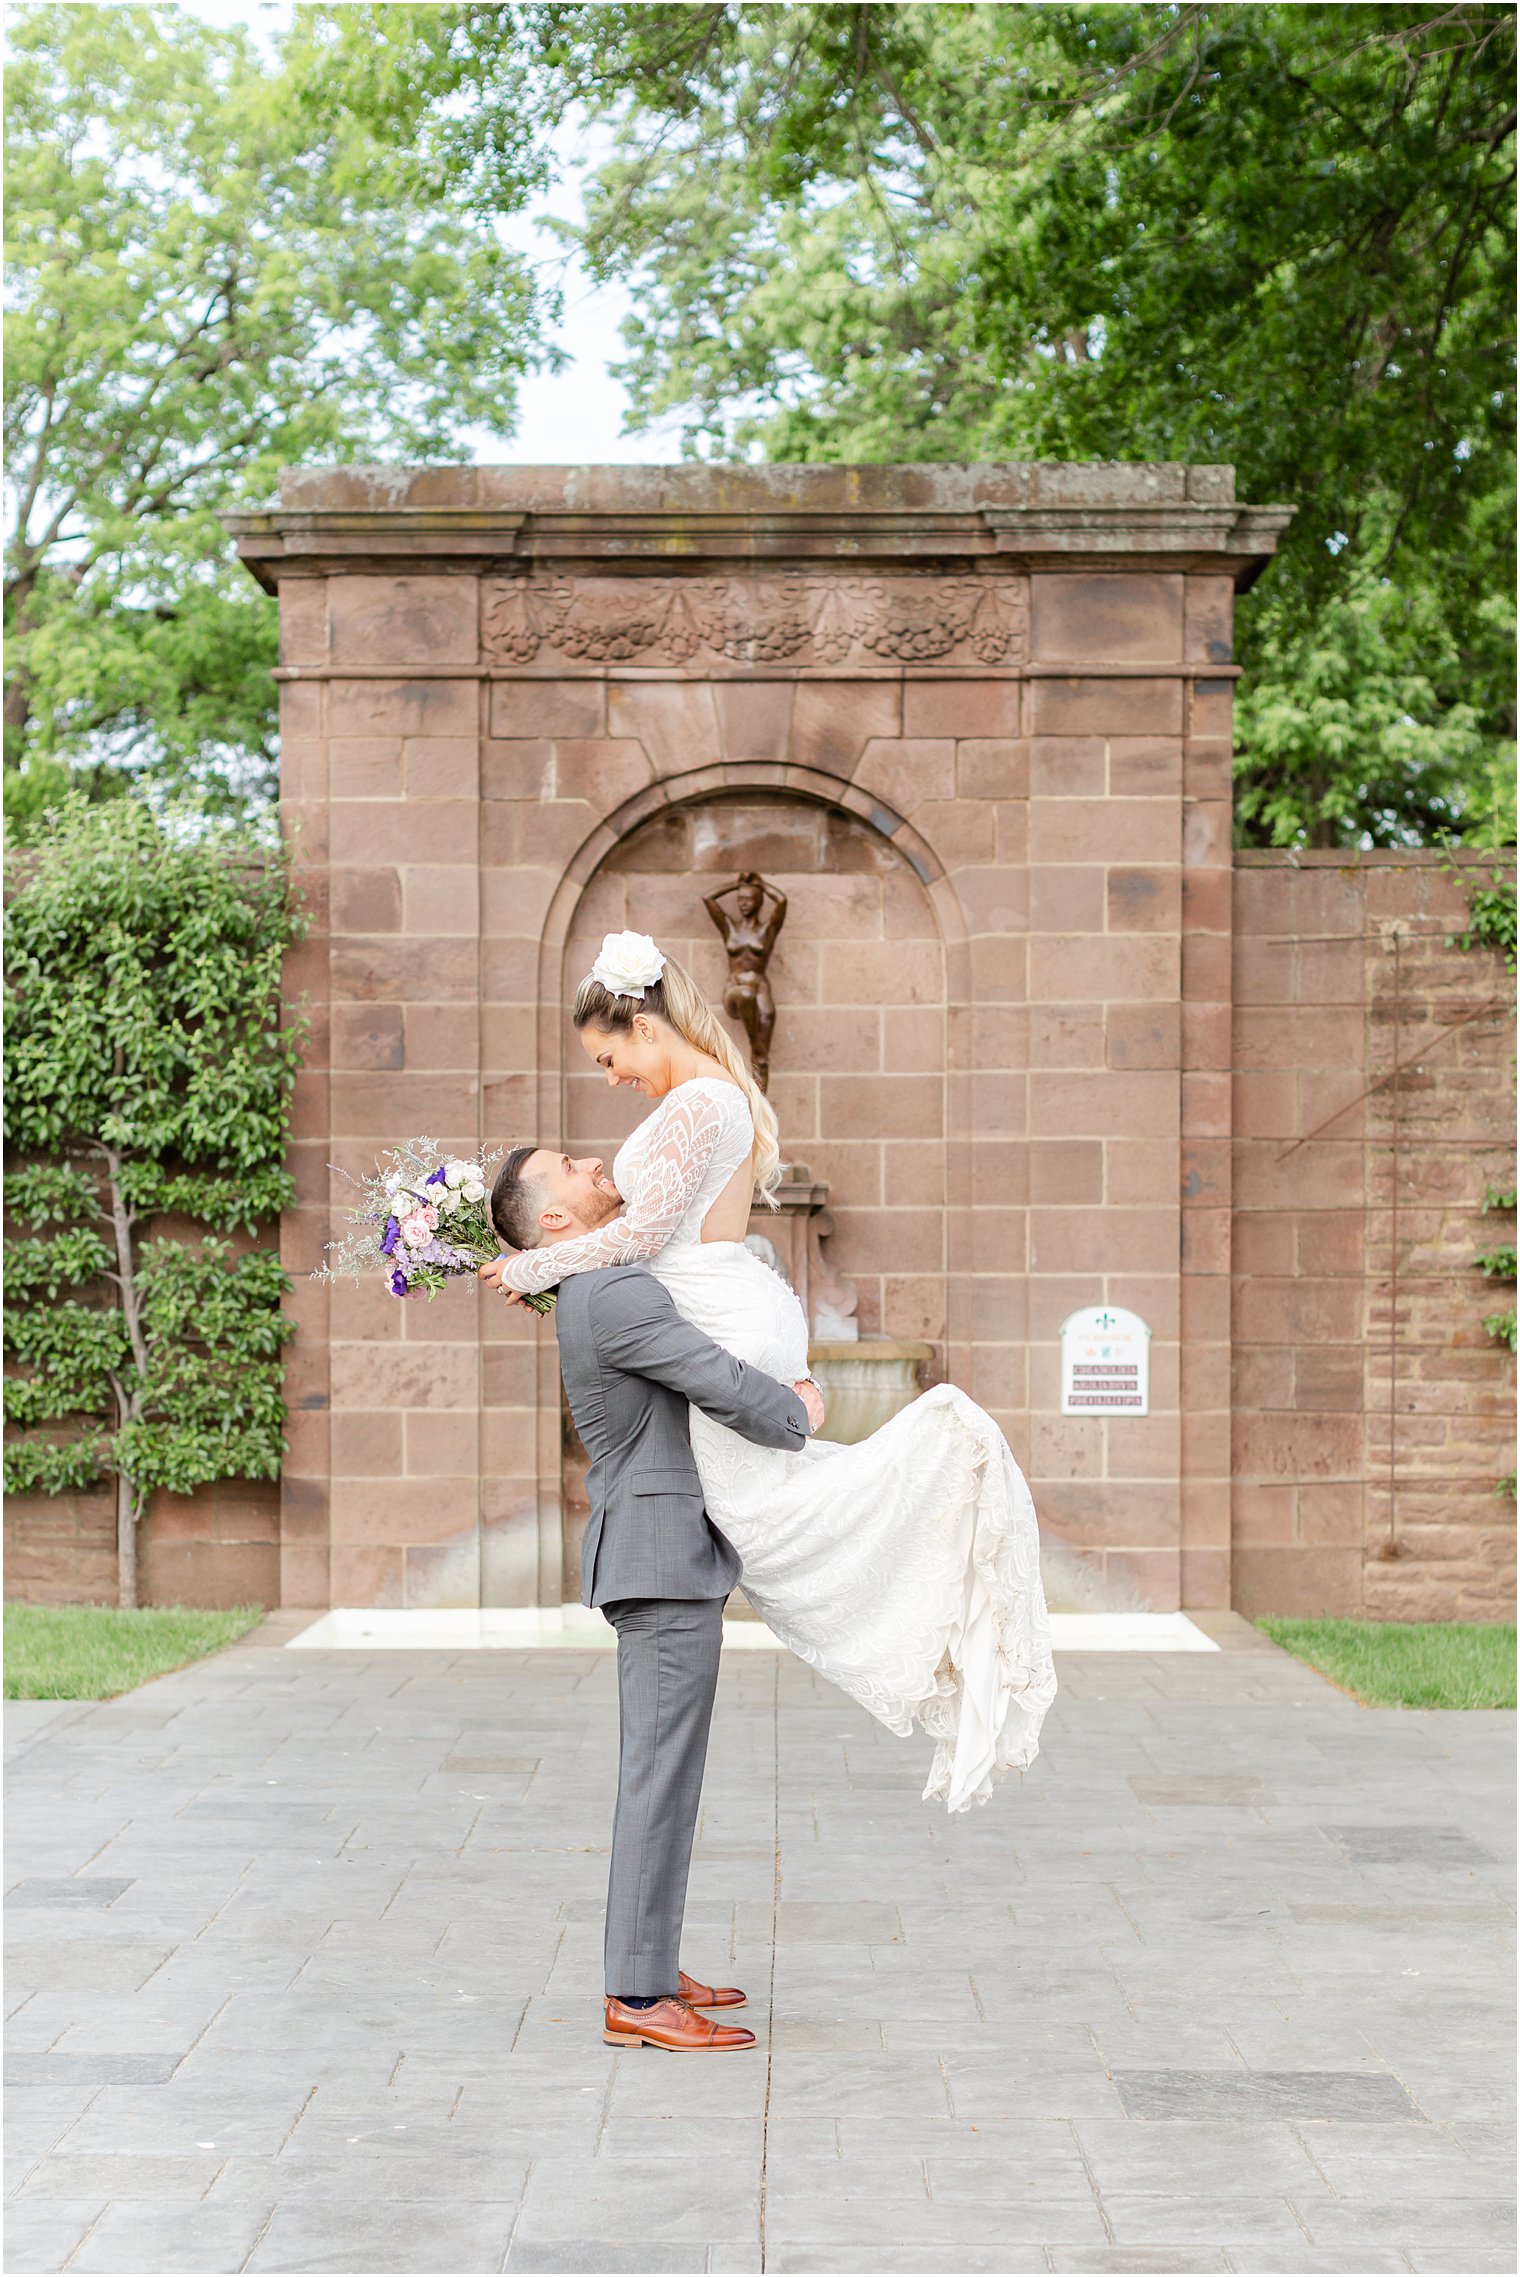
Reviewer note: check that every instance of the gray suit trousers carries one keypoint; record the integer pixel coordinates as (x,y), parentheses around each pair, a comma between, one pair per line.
(667,1661)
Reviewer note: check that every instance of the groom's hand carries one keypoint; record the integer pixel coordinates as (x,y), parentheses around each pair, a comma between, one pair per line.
(812,1399)
(492,1276)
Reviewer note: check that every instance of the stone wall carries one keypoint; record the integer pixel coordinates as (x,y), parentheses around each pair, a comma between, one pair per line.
(977,722)
(219,1546)
(1374,1104)
(1048,1042)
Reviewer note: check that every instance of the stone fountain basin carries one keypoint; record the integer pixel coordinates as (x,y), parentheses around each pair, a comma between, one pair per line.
(866,1383)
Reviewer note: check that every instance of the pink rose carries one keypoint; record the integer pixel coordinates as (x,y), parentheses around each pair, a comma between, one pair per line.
(417,1230)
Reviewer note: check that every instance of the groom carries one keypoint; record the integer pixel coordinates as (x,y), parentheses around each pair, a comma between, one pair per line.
(657,1566)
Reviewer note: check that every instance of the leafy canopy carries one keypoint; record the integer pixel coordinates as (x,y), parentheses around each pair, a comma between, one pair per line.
(1275,235)
(216,271)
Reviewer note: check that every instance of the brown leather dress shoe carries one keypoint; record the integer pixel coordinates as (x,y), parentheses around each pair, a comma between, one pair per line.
(709,1995)
(670,2024)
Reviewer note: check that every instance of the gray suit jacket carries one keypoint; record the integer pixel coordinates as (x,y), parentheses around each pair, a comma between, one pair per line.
(631,1364)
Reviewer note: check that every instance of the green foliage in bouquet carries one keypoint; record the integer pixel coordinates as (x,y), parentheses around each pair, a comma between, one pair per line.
(148,1070)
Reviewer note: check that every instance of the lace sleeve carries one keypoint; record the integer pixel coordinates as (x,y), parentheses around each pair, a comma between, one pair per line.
(669,1176)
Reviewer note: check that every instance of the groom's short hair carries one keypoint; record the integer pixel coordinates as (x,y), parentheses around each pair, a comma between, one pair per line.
(516,1201)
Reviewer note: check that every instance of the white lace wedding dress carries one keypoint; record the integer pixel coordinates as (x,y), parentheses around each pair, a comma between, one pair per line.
(906,1568)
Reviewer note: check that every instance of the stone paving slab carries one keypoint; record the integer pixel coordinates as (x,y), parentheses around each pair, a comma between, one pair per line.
(305,1962)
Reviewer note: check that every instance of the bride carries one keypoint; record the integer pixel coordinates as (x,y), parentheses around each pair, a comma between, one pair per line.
(904,1568)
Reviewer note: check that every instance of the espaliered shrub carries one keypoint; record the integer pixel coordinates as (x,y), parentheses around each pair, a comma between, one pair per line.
(149,1063)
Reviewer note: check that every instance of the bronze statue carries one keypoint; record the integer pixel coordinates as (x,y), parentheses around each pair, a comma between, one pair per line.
(749,932)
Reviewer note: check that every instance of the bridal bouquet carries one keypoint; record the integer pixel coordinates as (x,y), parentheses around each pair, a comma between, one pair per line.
(422,1220)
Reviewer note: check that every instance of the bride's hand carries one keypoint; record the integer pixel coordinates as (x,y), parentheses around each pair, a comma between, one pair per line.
(492,1276)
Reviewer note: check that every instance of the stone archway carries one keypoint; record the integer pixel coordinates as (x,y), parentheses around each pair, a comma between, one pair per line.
(858,1072)
(1017,676)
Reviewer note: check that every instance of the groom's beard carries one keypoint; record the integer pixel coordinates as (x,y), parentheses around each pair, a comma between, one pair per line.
(598,1208)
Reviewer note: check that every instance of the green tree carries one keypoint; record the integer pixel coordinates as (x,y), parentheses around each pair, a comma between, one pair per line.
(148,1071)
(1275,235)
(214,273)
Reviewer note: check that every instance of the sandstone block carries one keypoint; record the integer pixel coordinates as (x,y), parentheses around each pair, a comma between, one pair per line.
(605,773)
(1012,819)
(832,721)
(1074,1239)
(1120,968)
(1207,899)
(520,770)
(1068,766)
(525,710)
(1144,900)
(880,1106)
(1146,766)
(402,707)
(1143,1035)
(1076,1104)
(442,766)
(1208,619)
(1108,707)
(1211,709)
(980,708)
(1064,898)
(913,1041)
(441,897)
(398,970)
(442,1447)
(363,901)
(375,1106)
(367,1443)
(1065,1171)
(755,718)
(1128,617)
(676,721)
(369,832)
(1297,1579)
(991,767)
(303,620)
(993,899)
(442,1035)
(367,1036)
(1103,830)
(364,767)
(362,1575)
(400,620)
(903,773)
(961,830)
(1206,825)
(1208,768)
(896,972)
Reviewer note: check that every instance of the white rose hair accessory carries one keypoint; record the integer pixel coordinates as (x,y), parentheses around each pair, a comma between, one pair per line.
(628,964)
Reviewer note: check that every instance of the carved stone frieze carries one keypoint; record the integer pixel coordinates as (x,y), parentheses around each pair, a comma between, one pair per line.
(792,622)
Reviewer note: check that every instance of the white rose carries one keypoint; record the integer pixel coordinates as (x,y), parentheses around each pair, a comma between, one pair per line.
(458,1173)
(628,964)
(474,1192)
(449,1199)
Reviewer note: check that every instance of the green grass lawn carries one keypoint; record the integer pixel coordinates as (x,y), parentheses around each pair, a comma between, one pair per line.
(1416,1664)
(92,1652)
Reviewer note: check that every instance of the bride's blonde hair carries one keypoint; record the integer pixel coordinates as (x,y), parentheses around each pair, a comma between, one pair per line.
(676,997)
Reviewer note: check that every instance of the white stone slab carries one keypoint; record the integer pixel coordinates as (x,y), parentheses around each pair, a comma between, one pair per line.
(576,1628)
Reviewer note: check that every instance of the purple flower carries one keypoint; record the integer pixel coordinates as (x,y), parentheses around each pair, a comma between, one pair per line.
(438,1177)
(398,1283)
(392,1236)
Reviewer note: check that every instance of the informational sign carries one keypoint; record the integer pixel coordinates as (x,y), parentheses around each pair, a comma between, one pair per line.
(1105,1362)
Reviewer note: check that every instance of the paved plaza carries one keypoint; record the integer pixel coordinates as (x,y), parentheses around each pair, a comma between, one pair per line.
(305,1965)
